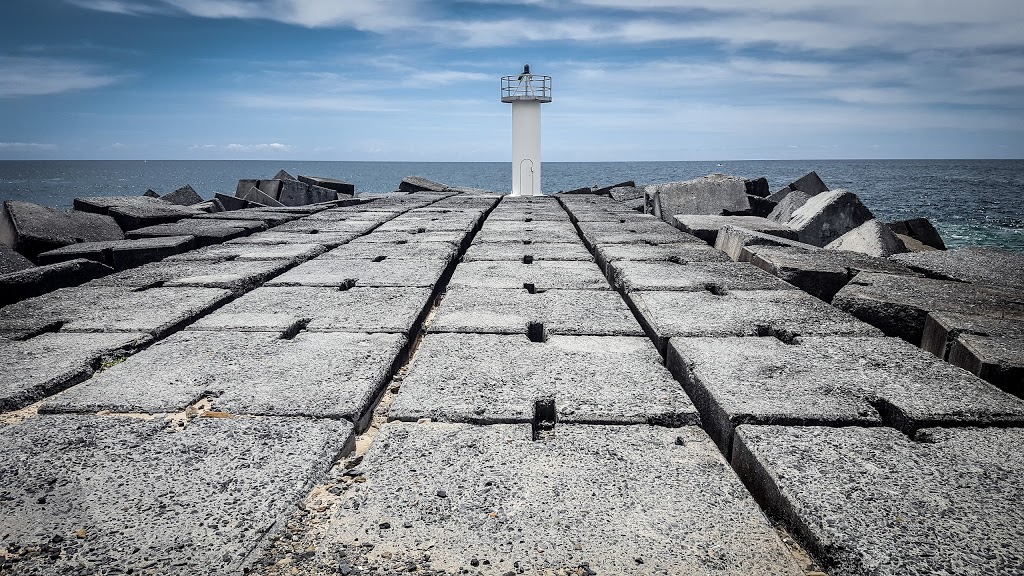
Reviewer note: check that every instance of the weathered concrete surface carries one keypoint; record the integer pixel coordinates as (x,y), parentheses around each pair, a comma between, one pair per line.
(205,232)
(339,186)
(11,261)
(443,251)
(535,232)
(942,328)
(327,309)
(131,212)
(184,196)
(121,254)
(977,265)
(678,253)
(487,500)
(307,226)
(542,275)
(920,230)
(31,229)
(997,358)
(268,218)
(534,250)
(327,239)
(237,276)
(156,311)
(87,494)
(706,227)
(419,184)
(35,368)
(264,195)
(644,232)
(354,213)
(831,381)
(428,222)
(619,213)
(317,374)
(295,193)
(450,236)
(734,241)
(510,211)
(631,275)
(821,273)
(363,273)
(872,238)
(789,313)
(712,194)
(289,252)
(883,504)
(810,184)
(790,203)
(898,305)
(39,280)
(564,312)
(231,203)
(827,216)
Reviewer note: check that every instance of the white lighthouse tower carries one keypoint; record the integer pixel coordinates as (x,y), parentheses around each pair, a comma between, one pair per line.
(526,92)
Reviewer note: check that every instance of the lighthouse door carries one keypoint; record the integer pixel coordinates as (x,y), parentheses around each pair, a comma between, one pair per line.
(526,177)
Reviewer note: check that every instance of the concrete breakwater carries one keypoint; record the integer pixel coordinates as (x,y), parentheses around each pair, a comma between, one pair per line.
(451,381)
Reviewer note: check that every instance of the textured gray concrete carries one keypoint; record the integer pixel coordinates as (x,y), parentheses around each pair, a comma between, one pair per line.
(586,500)
(977,265)
(432,222)
(339,186)
(450,236)
(711,194)
(443,251)
(645,232)
(268,218)
(535,250)
(12,261)
(237,276)
(736,242)
(872,238)
(941,329)
(122,254)
(108,309)
(831,381)
(327,239)
(620,214)
(828,215)
(679,253)
(30,228)
(542,275)
(872,501)
(919,230)
(505,311)
(632,275)
(95,495)
(35,368)
(491,378)
(543,231)
(898,305)
(290,252)
(998,358)
(318,374)
(39,280)
(667,314)
(327,309)
(131,212)
(353,213)
(507,211)
(821,273)
(306,226)
(364,273)
(706,227)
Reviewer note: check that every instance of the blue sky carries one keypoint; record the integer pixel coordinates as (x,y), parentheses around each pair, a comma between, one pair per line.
(419,80)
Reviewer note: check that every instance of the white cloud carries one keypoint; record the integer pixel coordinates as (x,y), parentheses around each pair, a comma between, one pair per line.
(26,146)
(35,76)
(271,147)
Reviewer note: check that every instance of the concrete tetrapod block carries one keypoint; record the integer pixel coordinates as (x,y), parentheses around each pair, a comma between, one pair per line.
(821,273)
(122,254)
(540,275)
(678,253)
(542,231)
(643,232)
(48,363)
(487,500)
(338,186)
(977,265)
(735,242)
(237,276)
(184,196)
(325,239)
(788,313)
(419,184)
(711,194)
(131,212)
(706,227)
(294,253)
(784,209)
(326,309)
(295,193)
(39,280)
(872,501)
(30,228)
(632,275)
(533,251)
(563,312)
(898,305)
(156,311)
(442,251)
(317,374)
(349,273)
(498,378)
(872,238)
(827,216)
(268,218)
(89,494)
(920,230)
(831,381)
(205,232)
(506,211)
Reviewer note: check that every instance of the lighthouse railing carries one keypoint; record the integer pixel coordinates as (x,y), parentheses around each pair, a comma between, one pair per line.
(526,87)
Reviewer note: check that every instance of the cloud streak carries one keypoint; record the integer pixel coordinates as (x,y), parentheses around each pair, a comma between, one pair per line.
(37,76)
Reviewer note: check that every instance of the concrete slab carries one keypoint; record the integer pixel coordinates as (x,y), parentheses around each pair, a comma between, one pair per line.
(532,251)
(443,221)
(205,232)
(622,214)
(633,275)
(39,280)
(48,363)
(941,329)
(326,239)
(294,253)
(821,273)
(634,233)
(735,242)
(31,229)
(563,312)
(487,500)
(678,253)
(828,215)
(201,500)
(790,313)
(237,276)
(458,239)
(541,231)
(184,196)
(541,275)
(352,213)
(919,230)
(316,374)
(122,254)
(533,213)
(339,186)
(872,238)
(268,218)
(495,378)
(156,311)
(363,273)
(998,358)
(306,226)
(11,261)
(442,251)
(706,227)
(885,505)
(327,309)
(977,265)
(131,212)
(831,381)
(898,305)
(711,194)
